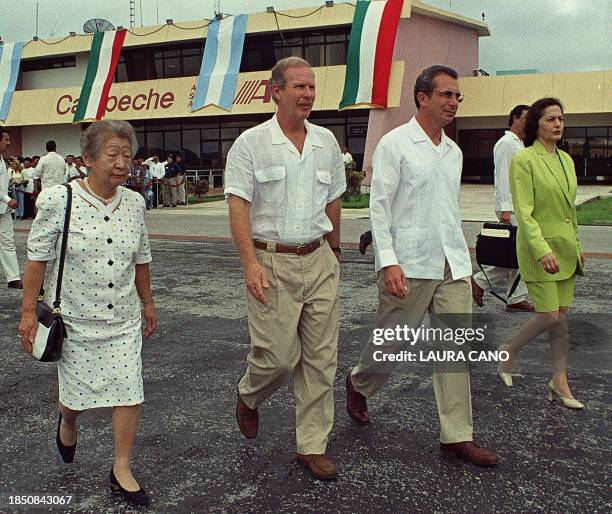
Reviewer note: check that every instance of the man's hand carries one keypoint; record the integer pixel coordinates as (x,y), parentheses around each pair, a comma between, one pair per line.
(395,281)
(256,281)
(504,217)
(549,263)
(13,204)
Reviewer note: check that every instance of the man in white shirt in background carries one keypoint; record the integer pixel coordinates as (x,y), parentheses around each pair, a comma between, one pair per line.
(422,259)
(8,253)
(158,171)
(71,169)
(283,181)
(346,156)
(80,166)
(51,169)
(509,144)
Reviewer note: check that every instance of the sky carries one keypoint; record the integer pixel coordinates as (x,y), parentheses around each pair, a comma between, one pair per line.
(547,35)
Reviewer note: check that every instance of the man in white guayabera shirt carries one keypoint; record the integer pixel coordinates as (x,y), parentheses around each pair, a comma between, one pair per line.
(283,180)
(51,169)
(510,143)
(422,258)
(8,254)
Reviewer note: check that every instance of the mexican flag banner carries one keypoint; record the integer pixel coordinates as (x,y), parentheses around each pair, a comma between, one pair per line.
(103,58)
(368,63)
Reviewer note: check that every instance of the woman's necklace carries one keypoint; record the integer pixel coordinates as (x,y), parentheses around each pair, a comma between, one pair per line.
(105,201)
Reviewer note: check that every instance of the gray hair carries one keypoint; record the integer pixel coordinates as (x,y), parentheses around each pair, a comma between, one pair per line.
(425,81)
(277,77)
(99,132)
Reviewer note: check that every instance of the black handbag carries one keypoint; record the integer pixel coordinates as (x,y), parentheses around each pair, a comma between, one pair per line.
(496,246)
(51,332)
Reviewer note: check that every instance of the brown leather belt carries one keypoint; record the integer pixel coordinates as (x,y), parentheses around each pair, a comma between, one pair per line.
(304,249)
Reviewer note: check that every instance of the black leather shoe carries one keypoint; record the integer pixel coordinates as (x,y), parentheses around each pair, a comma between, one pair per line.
(67,452)
(134,497)
(365,240)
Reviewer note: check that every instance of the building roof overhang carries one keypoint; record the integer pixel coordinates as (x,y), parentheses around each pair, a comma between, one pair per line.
(340,14)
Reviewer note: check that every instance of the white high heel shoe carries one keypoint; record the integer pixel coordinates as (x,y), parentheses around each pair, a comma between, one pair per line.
(570,403)
(506,378)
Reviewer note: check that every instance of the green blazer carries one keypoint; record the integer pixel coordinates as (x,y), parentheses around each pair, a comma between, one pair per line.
(546,213)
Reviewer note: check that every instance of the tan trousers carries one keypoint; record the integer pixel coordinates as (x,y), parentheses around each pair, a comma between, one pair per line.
(451,382)
(170,191)
(296,331)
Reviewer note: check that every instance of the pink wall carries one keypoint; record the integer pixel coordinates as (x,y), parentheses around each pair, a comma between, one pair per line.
(421,42)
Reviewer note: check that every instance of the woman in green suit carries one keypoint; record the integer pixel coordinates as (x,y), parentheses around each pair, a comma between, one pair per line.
(543,186)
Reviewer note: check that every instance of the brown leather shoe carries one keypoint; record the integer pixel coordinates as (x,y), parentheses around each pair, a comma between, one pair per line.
(469,452)
(356,404)
(15,284)
(321,466)
(523,306)
(477,293)
(247,418)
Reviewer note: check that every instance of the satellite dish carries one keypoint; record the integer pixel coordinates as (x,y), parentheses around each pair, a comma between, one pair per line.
(97,25)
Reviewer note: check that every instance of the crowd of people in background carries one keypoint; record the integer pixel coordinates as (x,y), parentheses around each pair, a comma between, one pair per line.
(160,183)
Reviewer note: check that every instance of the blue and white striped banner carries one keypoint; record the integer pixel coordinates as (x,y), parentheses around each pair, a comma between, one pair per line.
(10,58)
(221,63)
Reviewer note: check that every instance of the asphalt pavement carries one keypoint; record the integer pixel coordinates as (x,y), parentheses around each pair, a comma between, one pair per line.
(190,456)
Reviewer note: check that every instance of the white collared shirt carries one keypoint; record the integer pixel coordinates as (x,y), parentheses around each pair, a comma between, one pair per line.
(414,204)
(51,169)
(158,169)
(105,242)
(4,187)
(288,192)
(503,151)
(71,171)
(29,174)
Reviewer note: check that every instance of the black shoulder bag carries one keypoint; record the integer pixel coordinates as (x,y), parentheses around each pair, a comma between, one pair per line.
(51,331)
(496,246)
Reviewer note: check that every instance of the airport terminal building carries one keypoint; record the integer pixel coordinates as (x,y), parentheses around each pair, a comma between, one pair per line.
(159,65)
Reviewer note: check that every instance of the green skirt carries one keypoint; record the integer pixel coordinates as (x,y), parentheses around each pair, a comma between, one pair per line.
(549,296)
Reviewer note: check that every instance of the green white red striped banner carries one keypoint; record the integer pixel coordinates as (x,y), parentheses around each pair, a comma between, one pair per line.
(103,58)
(370,53)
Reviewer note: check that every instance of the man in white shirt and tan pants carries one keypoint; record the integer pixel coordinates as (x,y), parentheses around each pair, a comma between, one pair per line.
(422,259)
(8,253)
(503,151)
(283,181)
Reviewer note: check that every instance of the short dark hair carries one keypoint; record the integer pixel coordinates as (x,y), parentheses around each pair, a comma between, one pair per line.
(533,117)
(425,81)
(516,113)
(27,159)
(35,157)
(51,146)
(4,131)
(70,155)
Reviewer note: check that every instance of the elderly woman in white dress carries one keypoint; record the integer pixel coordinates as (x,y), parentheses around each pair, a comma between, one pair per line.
(106,271)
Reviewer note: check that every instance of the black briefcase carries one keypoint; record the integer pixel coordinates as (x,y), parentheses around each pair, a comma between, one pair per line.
(496,245)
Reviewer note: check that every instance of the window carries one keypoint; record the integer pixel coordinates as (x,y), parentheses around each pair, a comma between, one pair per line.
(155,62)
(589,147)
(65,61)
(204,142)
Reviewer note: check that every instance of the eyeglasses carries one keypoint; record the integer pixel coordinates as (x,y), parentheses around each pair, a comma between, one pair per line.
(448,95)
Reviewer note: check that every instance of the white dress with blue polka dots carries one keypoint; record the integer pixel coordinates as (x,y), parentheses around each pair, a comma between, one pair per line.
(101,363)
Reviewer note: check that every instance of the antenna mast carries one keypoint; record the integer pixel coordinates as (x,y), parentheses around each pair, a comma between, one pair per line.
(132,13)
(217,7)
